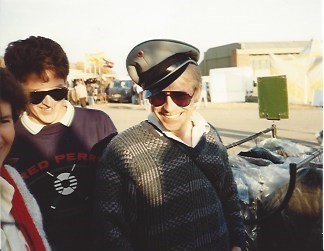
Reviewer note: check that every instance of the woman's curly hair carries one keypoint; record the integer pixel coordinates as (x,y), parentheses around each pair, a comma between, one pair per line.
(12,92)
(36,55)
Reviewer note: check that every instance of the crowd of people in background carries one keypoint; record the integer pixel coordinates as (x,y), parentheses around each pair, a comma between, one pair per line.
(86,93)
(89,92)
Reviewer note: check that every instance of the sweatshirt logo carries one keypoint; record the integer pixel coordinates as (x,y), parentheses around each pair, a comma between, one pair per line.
(65,183)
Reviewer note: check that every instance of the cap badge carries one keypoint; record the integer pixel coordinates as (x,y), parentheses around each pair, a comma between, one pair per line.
(140,53)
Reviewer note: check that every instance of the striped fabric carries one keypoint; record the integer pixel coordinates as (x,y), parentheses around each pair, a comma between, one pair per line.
(151,195)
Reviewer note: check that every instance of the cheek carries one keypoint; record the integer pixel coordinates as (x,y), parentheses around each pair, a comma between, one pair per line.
(61,104)
(31,107)
(155,110)
(8,134)
(11,135)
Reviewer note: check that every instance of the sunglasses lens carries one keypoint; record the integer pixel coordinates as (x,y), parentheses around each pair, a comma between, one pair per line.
(158,100)
(36,97)
(57,94)
(181,98)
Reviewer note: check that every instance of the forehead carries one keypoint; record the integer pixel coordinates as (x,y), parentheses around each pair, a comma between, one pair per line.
(35,82)
(5,108)
(183,83)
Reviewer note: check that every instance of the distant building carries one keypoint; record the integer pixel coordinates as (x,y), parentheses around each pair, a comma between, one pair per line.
(252,54)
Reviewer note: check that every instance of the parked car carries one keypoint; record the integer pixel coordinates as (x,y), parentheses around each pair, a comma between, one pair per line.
(120,91)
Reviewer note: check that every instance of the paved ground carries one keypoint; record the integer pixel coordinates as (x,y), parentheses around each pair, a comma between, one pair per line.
(236,121)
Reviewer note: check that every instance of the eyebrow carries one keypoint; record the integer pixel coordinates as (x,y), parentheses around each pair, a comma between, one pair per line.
(5,116)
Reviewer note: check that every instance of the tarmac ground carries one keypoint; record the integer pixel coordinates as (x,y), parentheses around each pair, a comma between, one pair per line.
(235,121)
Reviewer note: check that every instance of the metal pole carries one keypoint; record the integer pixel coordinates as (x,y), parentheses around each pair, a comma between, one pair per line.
(249,138)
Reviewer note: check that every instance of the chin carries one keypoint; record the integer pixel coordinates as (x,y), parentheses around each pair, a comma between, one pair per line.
(171,127)
(47,120)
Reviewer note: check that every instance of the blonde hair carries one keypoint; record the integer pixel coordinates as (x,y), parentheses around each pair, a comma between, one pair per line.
(193,75)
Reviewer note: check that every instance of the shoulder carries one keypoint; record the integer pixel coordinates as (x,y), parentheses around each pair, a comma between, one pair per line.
(94,119)
(20,130)
(214,138)
(133,138)
(132,134)
(13,173)
(128,147)
(19,182)
(18,125)
(213,132)
(29,201)
(90,113)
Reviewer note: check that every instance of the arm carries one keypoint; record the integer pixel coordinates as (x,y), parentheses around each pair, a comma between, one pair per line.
(98,148)
(231,205)
(112,229)
(105,131)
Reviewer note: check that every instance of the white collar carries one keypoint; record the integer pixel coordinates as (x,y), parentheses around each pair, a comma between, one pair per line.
(35,128)
(200,126)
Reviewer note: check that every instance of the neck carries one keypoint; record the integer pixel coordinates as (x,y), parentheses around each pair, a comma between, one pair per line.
(185,134)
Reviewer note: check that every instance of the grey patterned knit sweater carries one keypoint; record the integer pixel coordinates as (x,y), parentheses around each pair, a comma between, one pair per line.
(151,195)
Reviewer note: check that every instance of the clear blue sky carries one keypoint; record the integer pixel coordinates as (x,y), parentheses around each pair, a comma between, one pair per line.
(115,27)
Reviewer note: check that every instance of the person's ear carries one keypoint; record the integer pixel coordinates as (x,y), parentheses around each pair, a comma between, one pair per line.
(197,95)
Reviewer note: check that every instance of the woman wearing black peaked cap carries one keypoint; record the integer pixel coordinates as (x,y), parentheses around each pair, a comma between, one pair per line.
(165,184)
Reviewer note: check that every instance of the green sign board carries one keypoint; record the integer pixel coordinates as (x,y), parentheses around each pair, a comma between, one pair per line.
(273,97)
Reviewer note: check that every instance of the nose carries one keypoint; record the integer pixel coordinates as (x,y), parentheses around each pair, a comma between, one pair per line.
(48,100)
(169,105)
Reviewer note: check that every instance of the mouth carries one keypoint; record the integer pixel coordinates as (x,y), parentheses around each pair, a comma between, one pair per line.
(171,116)
(46,108)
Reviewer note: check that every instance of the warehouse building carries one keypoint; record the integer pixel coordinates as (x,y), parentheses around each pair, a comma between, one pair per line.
(255,55)
(300,61)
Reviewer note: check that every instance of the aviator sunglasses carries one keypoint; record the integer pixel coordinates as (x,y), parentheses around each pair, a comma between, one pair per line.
(181,99)
(57,94)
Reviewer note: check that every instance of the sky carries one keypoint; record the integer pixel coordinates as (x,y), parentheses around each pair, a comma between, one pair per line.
(116,26)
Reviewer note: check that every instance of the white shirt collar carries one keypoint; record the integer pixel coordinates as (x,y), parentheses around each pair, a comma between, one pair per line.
(200,126)
(35,128)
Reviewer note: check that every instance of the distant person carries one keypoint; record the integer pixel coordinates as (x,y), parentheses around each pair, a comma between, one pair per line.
(57,146)
(81,93)
(107,92)
(21,220)
(90,95)
(319,137)
(139,91)
(203,94)
(165,183)
(134,94)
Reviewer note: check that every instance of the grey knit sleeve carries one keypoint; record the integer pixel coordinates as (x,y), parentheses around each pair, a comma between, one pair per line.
(231,205)
(224,183)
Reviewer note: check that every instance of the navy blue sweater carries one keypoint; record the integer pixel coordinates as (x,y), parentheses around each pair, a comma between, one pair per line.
(152,195)
(58,165)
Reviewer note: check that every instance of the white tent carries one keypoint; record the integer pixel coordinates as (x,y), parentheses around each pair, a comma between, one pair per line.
(231,84)
(304,74)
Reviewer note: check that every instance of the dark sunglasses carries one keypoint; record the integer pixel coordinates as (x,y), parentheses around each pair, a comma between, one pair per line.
(181,99)
(58,94)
